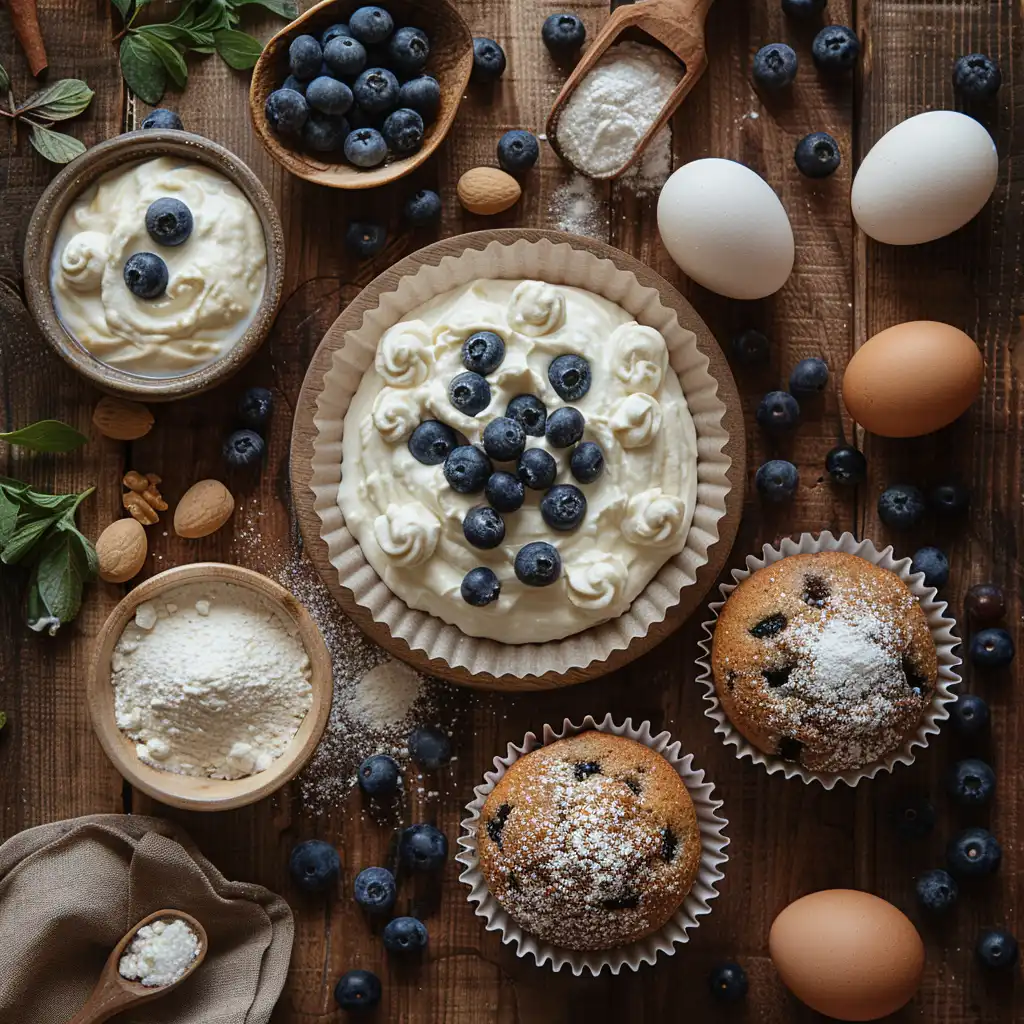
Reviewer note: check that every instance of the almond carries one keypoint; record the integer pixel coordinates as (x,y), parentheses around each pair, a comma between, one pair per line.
(121,550)
(122,420)
(486,190)
(205,507)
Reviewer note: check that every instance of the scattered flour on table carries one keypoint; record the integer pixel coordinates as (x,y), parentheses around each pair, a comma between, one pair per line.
(159,953)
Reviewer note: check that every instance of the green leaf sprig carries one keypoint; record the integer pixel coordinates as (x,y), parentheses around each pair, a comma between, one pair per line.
(60,101)
(46,436)
(153,55)
(39,532)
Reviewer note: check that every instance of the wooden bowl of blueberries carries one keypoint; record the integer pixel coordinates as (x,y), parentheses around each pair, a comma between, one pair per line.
(352,96)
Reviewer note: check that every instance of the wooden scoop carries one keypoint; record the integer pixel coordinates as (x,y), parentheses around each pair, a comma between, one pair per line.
(678,25)
(114,994)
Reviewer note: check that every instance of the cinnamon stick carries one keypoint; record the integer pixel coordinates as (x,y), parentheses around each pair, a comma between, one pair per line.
(25,18)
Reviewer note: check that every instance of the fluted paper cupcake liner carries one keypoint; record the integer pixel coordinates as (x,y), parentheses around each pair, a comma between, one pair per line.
(645,950)
(941,626)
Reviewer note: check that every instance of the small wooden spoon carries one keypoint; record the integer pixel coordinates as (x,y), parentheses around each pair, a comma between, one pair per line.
(678,25)
(114,994)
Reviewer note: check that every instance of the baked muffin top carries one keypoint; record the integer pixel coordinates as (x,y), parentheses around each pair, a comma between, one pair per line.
(590,842)
(824,659)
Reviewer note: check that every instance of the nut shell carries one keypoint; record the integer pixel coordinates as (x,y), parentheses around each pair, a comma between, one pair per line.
(121,549)
(486,191)
(204,508)
(122,420)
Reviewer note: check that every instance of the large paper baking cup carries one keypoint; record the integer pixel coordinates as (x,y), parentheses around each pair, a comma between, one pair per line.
(645,950)
(941,626)
(556,263)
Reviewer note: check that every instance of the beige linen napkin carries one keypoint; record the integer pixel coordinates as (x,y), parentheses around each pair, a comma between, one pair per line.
(69,891)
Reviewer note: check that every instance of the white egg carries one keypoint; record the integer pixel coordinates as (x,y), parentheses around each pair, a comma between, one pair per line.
(725,227)
(924,178)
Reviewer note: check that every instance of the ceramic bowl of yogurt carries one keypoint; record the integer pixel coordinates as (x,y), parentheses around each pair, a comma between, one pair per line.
(154,264)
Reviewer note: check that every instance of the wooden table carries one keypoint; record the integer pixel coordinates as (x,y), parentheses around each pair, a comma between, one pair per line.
(787,839)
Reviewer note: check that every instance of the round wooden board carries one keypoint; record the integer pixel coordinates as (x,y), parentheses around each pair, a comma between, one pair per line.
(304,433)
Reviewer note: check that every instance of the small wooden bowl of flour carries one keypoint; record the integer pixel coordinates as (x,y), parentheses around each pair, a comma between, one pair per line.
(209,686)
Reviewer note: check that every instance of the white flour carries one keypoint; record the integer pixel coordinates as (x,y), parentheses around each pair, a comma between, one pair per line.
(210,681)
(159,953)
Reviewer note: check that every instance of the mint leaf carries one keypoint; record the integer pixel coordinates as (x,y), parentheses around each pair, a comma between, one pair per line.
(56,147)
(124,8)
(238,49)
(57,102)
(24,539)
(142,69)
(81,544)
(282,8)
(61,576)
(216,16)
(8,518)
(46,436)
(169,56)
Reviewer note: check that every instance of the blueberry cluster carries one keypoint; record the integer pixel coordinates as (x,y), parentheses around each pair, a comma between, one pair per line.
(169,223)
(357,92)
(470,470)
(245,448)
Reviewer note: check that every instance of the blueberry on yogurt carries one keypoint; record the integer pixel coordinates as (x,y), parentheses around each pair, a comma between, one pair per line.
(563,507)
(146,275)
(570,376)
(469,393)
(480,587)
(505,492)
(467,469)
(504,439)
(538,564)
(483,353)
(530,413)
(432,442)
(168,221)
(483,527)
(537,469)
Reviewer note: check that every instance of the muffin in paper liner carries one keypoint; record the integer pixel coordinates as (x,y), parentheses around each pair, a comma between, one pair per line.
(557,263)
(941,626)
(642,951)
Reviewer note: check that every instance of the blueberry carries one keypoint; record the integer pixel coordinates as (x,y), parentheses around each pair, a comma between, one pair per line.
(255,407)
(974,853)
(936,891)
(728,983)
(901,506)
(808,378)
(505,492)
(422,94)
(365,147)
(408,50)
(976,77)
(403,131)
(949,499)
(329,96)
(291,82)
(286,111)
(971,782)
(750,347)
(483,352)
(913,817)
(375,890)
(422,848)
(774,66)
(846,465)
(564,427)
(803,8)
(405,935)
(835,49)
(338,31)
(168,221)
(163,118)
(432,442)
(488,60)
(536,469)
(570,377)
(563,507)
(467,469)
(483,527)
(371,25)
(934,564)
(480,587)
(429,747)
(345,56)
(817,155)
(538,564)
(778,411)
(305,55)
(985,602)
(563,33)
(504,439)
(364,239)
(314,865)
(422,208)
(357,991)
(529,412)
(997,950)
(376,91)
(469,393)
(244,448)
(777,480)
(146,275)
(969,715)
(587,462)
(379,776)
(518,151)
(992,648)
(323,134)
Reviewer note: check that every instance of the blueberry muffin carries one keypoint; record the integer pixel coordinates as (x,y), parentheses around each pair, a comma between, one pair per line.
(825,660)
(590,842)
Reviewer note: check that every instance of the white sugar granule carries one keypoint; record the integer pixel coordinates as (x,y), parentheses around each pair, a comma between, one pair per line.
(159,953)
(651,171)
(576,208)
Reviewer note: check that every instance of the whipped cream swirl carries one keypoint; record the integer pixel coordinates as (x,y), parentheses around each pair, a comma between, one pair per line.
(405,354)
(654,518)
(396,413)
(407,533)
(639,356)
(536,309)
(597,580)
(83,260)
(636,420)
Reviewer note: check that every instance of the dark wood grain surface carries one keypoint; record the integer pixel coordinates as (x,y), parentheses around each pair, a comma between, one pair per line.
(787,839)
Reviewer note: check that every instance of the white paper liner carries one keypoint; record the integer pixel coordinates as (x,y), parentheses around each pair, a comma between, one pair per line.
(645,950)
(556,263)
(940,624)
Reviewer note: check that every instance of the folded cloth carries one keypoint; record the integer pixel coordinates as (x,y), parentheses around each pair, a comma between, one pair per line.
(69,891)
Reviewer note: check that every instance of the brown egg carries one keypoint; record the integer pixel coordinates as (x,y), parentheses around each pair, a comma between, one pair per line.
(912,379)
(847,954)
